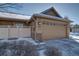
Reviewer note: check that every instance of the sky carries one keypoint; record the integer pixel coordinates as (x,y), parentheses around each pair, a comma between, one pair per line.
(65,10)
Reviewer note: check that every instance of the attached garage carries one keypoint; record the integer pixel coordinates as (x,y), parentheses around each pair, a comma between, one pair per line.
(50,27)
(43,26)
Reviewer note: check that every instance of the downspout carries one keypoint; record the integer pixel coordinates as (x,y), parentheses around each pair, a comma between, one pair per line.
(35,29)
(67,30)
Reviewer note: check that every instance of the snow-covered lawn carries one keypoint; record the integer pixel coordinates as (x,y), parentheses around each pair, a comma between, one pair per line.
(28,46)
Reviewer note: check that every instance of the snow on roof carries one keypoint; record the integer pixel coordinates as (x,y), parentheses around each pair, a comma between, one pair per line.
(51,17)
(14,16)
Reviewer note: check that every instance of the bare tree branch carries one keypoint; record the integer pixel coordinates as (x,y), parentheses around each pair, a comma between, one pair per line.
(7,6)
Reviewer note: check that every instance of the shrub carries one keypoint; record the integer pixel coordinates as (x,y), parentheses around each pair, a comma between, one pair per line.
(17,48)
(52,51)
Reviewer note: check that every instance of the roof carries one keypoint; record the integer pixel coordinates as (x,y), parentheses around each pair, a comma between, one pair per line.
(51,17)
(14,16)
(53,10)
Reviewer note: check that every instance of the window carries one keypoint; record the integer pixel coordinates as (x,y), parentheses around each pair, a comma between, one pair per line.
(45,22)
(59,24)
(18,25)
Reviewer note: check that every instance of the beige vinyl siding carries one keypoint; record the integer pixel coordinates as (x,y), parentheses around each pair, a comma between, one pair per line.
(15,32)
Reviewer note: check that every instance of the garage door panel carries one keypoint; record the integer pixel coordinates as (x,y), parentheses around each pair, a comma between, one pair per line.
(54,32)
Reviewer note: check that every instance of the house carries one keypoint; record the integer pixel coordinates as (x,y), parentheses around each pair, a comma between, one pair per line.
(43,26)
(75,28)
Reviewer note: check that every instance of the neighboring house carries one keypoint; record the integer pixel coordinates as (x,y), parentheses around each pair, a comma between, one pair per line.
(75,28)
(43,26)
